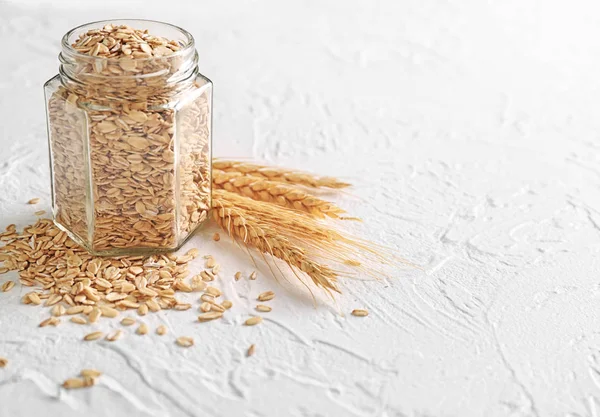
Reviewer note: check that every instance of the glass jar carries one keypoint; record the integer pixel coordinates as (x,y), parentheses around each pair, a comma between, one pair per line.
(130,141)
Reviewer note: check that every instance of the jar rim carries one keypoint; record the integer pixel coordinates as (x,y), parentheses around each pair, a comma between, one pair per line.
(185,48)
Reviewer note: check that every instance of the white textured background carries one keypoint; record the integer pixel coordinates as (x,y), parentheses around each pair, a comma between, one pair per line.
(471,130)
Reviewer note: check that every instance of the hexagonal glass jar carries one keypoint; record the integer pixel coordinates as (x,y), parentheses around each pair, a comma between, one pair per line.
(130,144)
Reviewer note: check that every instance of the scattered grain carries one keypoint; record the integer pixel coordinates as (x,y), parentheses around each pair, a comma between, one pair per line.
(116,335)
(216,237)
(142,329)
(263,308)
(253,275)
(251,350)
(50,321)
(212,315)
(78,320)
(3,362)
(207,297)
(253,321)
(93,336)
(184,341)
(161,330)
(108,312)
(94,315)
(182,306)
(90,373)
(215,292)
(227,304)
(142,310)
(73,383)
(33,201)
(360,313)
(34,298)
(58,310)
(7,286)
(238,275)
(266,296)
(75,310)
(210,262)
(207,276)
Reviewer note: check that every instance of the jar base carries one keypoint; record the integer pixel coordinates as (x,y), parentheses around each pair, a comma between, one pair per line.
(124,251)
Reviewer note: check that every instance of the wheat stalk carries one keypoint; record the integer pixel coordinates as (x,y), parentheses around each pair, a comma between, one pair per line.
(278,174)
(285,195)
(241,224)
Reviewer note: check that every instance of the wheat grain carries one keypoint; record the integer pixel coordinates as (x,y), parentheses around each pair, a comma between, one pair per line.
(34,298)
(78,320)
(93,336)
(73,383)
(3,362)
(142,310)
(128,321)
(211,315)
(207,276)
(278,174)
(184,341)
(33,201)
(7,286)
(153,305)
(284,195)
(252,321)
(251,350)
(197,283)
(58,310)
(116,335)
(227,304)
(210,262)
(238,276)
(75,310)
(266,296)
(215,292)
(360,313)
(253,276)
(263,308)
(207,298)
(216,307)
(161,330)
(50,321)
(216,237)
(94,315)
(142,329)
(108,312)
(90,373)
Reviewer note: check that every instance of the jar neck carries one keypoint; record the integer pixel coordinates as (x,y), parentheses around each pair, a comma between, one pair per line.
(127,78)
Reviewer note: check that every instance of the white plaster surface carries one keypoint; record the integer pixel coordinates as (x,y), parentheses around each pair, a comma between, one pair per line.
(470,129)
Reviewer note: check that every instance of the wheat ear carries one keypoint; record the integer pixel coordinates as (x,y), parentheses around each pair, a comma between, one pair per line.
(278,174)
(261,189)
(324,239)
(241,225)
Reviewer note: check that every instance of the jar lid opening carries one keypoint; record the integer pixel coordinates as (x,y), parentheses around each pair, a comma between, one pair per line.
(156,28)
